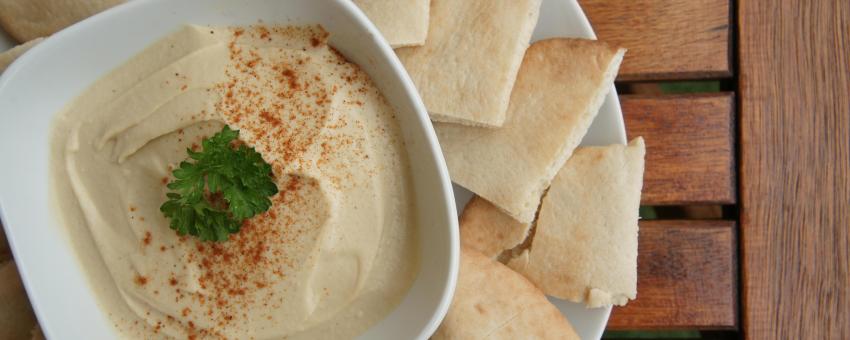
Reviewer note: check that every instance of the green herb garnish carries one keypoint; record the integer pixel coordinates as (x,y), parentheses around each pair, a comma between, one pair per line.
(218,188)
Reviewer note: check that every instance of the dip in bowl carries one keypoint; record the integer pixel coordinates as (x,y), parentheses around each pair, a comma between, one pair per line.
(361,238)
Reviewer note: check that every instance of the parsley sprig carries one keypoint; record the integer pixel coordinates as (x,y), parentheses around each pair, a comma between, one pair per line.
(218,188)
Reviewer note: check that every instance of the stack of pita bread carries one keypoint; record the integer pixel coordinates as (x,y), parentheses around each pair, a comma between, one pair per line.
(550,217)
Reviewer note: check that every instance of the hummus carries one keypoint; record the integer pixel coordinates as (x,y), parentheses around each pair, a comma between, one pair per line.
(334,254)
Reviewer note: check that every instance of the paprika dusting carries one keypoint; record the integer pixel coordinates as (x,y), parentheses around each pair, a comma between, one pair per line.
(335,252)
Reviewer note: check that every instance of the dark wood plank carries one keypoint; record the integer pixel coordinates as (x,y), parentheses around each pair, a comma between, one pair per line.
(667,39)
(16,317)
(5,250)
(690,156)
(795,168)
(686,277)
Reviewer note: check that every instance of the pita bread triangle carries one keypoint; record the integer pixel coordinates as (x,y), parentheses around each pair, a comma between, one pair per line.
(560,88)
(585,242)
(468,65)
(493,302)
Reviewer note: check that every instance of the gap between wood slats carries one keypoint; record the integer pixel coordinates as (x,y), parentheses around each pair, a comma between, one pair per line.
(687,277)
(671,335)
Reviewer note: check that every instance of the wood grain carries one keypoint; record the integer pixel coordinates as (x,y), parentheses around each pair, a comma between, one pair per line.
(16,317)
(690,155)
(795,168)
(686,277)
(666,39)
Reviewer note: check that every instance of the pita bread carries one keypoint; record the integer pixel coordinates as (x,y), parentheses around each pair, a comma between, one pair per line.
(559,89)
(7,57)
(16,316)
(585,243)
(491,301)
(488,230)
(467,67)
(402,22)
(26,20)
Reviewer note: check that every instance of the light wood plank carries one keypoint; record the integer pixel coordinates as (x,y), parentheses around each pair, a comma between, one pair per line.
(667,39)
(795,168)
(686,277)
(690,156)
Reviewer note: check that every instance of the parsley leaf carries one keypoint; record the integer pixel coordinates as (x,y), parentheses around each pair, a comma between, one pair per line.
(218,188)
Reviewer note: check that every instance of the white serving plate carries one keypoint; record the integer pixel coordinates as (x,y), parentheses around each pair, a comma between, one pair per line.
(558,18)
(565,18)
(40,83)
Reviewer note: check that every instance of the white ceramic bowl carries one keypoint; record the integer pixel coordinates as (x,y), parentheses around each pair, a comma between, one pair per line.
(39,84)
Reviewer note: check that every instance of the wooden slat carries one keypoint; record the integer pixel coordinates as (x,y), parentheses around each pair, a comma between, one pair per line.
(667,39)
(5,252)
(686,277)
(16,317)
(690,156)
(795,168)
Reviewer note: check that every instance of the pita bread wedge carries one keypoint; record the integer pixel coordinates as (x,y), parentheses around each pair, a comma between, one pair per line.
(7,57)
(585,243)
(467,67)
(16,316)
(26,20)
(493,302)
(559,89)
(488,230)
(402,22)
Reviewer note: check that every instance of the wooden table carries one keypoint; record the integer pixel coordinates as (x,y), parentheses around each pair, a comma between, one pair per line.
(766,159)
(748,172)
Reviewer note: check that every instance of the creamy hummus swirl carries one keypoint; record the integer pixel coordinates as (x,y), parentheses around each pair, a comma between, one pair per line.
(336,251)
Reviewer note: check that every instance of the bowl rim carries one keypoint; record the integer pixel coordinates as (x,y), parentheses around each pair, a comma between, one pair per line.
(448,204)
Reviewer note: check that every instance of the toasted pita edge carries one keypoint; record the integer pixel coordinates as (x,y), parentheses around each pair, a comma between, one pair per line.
(491,124)
(492,301)
(29,19)
(485,228)
(523,207)
(9,56)
(567,148)
(440,101)
(552,280)
(400,30)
